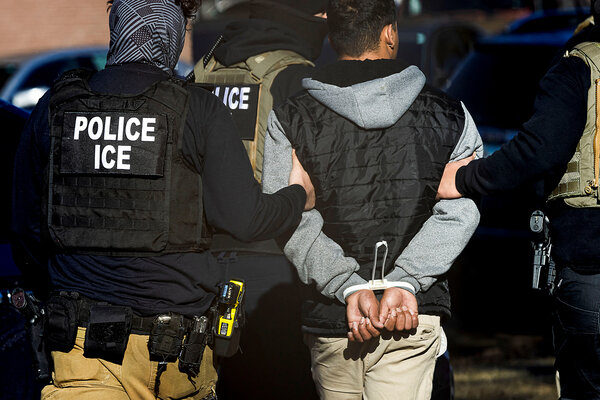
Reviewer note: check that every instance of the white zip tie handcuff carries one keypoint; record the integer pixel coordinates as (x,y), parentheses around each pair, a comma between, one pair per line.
(379,284)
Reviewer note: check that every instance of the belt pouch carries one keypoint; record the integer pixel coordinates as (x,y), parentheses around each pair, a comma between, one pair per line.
(61,326)
(193,346)
(108,332)
(166,337)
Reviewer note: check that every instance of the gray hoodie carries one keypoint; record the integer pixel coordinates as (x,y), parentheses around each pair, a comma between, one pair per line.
(374,104)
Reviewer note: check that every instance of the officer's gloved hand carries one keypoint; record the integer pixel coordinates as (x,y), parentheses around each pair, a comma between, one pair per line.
(299,176)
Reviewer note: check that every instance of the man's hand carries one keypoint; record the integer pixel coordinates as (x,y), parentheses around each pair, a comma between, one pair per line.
(299,176)
(398,310)
(447,188)
(362,313)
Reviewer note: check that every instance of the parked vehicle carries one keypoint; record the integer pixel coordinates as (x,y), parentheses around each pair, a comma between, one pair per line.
(23,80)
(436,46)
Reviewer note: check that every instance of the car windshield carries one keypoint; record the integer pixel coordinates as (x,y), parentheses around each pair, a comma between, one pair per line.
(498,81)
(40,77)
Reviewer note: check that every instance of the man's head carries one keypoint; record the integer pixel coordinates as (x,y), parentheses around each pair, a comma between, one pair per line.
(150,31)
(361,29)
(595,7)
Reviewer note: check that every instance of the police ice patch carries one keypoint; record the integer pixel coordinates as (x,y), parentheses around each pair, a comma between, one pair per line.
(242,101)
(113,143)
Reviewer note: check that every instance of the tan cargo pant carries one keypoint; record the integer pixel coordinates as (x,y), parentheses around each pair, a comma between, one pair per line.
(77,377)
(398,366)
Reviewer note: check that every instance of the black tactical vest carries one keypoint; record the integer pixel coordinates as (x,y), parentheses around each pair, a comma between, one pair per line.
(375,184)
(117,183)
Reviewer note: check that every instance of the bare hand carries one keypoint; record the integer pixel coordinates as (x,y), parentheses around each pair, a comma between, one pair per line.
(361,312)
(299,176)
(447,188)
(398,310)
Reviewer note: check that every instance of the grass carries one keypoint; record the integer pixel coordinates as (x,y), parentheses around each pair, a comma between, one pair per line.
(503,367)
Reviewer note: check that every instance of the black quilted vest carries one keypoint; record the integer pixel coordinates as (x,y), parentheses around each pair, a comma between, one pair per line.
(373,185)
(117,183)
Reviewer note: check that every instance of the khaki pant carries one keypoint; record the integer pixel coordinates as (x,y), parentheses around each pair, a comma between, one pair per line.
(77,377)
(398,366)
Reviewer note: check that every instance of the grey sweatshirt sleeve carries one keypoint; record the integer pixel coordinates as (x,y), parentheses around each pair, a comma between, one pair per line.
(446,233)
(317,258)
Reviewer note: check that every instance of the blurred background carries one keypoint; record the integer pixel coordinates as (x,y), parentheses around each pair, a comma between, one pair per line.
(489,54)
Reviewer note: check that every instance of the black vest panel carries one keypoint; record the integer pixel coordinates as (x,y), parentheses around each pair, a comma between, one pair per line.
(117,183)
(373,185)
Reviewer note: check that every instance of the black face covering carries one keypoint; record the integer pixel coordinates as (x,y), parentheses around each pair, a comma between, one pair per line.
(146,31)
(310,28)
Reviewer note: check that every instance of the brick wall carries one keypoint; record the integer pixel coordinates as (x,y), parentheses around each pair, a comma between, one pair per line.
(28,26)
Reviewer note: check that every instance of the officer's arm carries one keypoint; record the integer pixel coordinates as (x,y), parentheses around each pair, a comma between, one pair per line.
(547,140)
(445,234)
(233,199)
(317,258)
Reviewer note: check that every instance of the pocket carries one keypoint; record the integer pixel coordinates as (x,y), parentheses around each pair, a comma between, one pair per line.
(576,320)
(72,369)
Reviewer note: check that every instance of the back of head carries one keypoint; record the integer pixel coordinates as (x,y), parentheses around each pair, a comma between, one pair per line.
(595,8)
(355,25)
(148,31)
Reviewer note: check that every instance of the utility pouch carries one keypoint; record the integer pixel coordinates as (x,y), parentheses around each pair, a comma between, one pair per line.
(61,326)
(166,337)
(107,332)
(193,346)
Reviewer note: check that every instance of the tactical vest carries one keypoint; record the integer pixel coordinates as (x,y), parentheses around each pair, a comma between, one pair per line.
(579,185)
(245,88)
(372,185)
(117,183)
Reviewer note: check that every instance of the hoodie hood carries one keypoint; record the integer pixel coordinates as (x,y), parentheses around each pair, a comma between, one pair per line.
(150,32)
(377,103)
(301,34)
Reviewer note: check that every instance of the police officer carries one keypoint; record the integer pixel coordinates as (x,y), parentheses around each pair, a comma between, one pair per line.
(120,177)
(257,65)
(557,149)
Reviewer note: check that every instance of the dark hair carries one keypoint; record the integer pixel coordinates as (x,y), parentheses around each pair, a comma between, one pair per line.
(188,7)
(355,25)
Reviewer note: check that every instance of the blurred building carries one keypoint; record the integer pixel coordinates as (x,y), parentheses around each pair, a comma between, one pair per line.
(31,26)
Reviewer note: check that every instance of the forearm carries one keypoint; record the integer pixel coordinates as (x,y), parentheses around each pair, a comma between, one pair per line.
(234,201)
(437,244)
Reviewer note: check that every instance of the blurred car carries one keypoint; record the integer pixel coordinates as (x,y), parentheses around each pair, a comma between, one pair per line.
(435,45)
(498,80)
(24,80)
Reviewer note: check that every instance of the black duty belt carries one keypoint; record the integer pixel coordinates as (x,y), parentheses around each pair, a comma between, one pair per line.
(139,325)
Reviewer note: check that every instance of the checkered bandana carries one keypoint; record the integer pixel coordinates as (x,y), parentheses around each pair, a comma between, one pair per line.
(147,31)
